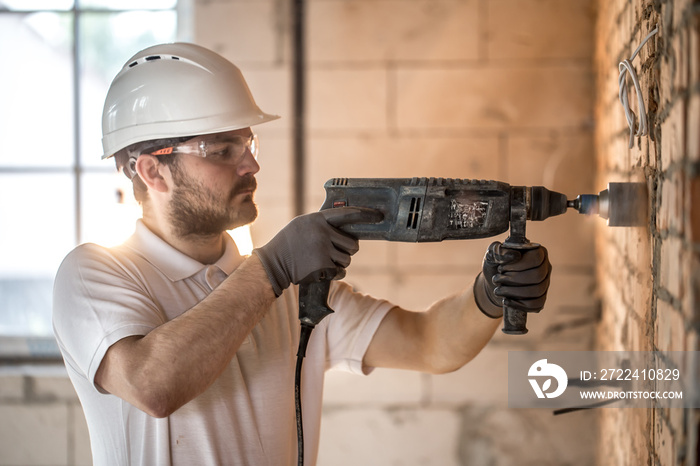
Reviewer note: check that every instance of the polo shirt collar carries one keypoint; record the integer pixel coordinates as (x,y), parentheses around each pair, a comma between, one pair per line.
(173,263)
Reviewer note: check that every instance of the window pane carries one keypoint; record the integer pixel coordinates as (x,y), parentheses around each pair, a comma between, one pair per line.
(108,209)
(36,115)
(37,229)
(107,41)
(37,223)
(25,5)
(128,4)
(25,305)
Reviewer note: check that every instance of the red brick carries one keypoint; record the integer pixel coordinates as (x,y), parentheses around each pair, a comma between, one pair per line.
(638,335)
(667,62)
(694,50)
(625,436)
(670,214)
(680,9)
(673,135)
(638,250)
(693,128)
(679,49)
(671,268)
(664,443)
(693,209)
(618,154)
(691,305)
(669,329)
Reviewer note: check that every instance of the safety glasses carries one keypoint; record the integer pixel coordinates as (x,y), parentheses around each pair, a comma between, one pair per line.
(218,148)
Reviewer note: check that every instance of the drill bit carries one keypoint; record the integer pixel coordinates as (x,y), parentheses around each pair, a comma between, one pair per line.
(622,204)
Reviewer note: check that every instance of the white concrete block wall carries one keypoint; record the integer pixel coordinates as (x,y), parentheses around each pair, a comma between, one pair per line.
(466,89)
(42,423)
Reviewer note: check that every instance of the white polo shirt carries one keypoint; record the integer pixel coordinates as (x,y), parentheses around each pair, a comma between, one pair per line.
(247,416)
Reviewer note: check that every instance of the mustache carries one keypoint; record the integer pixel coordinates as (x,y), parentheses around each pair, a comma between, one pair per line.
(247,183)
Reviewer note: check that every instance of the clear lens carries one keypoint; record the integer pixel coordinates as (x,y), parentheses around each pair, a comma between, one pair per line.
(230,150)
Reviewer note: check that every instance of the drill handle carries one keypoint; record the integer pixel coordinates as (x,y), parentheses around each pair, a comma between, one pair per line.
(313,301)
(314,289)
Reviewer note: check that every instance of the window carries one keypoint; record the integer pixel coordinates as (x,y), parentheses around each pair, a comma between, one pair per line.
(58,58)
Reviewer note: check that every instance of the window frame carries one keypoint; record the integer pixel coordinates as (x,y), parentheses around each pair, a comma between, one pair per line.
(23,349)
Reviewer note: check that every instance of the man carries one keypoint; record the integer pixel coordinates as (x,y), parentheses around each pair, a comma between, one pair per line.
(181,350)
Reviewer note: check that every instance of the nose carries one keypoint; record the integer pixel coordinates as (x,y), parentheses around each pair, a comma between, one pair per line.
(249,165)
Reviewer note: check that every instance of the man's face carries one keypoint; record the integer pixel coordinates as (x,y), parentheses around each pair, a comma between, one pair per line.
(209,197)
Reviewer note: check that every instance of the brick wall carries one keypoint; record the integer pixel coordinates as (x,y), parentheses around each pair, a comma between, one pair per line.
(648,277)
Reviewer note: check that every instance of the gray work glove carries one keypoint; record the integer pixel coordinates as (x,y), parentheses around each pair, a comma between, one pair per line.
(311,247)
(518,278)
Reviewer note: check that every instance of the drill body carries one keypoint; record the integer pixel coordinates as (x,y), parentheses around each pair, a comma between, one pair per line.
(433,210)
(437,209)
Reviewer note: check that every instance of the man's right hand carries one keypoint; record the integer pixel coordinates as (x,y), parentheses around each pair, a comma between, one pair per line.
(312,245)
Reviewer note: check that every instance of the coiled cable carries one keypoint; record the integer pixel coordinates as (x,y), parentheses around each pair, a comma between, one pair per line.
(625,66)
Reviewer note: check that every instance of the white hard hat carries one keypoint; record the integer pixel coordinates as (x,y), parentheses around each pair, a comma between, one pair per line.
(176,90)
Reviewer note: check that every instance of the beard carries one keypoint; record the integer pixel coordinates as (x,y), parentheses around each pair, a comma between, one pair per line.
(196,211)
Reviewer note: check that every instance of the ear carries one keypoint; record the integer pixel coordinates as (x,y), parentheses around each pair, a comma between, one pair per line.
(149,170)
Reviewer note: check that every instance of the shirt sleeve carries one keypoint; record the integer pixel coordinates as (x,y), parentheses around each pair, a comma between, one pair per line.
(352,326)
(97,302)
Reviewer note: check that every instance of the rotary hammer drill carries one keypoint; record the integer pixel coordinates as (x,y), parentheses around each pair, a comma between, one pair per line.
(432,210)
(437,209)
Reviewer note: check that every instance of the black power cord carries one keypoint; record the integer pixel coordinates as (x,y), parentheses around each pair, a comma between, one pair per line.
(313,308)
(301,353)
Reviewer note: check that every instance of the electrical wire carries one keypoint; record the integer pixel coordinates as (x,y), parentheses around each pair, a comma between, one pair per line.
(297,406)
(304,335)
(625,66)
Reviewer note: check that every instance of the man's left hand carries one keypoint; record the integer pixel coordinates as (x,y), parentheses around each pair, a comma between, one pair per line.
(517,278)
